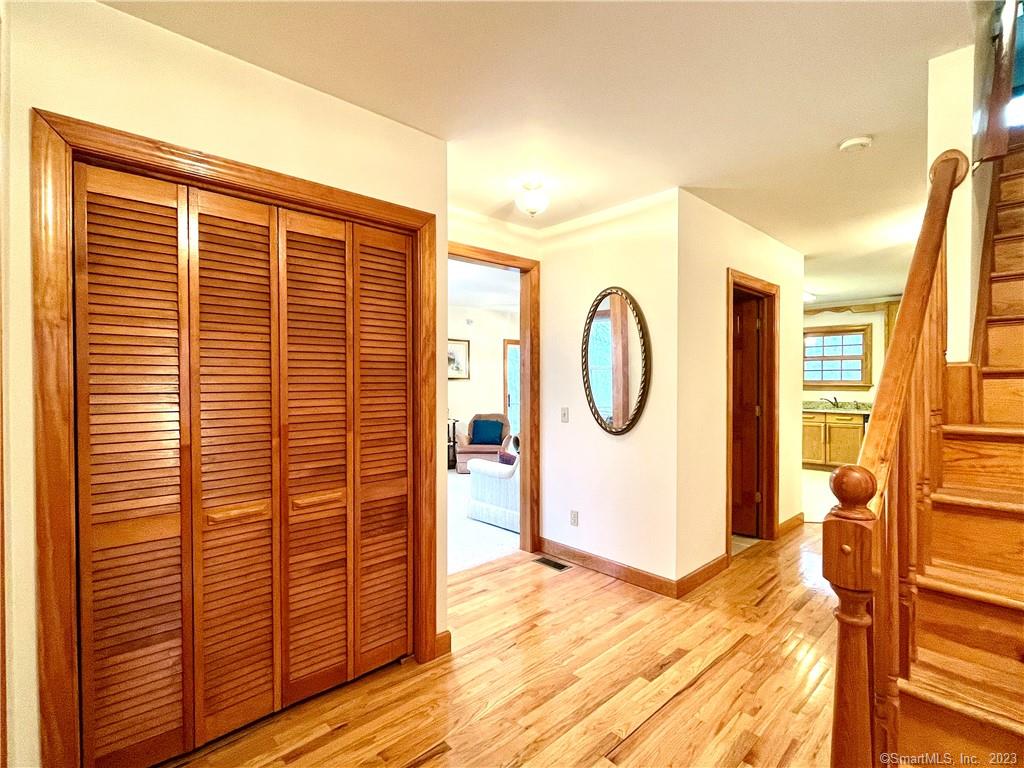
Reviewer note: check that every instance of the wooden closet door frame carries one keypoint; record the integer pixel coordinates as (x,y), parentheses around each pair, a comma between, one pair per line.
(58,141)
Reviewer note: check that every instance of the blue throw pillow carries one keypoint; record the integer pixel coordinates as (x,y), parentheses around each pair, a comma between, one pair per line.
(486,432)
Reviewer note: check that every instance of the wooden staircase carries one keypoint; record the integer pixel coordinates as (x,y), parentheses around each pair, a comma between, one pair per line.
(965,687)
(966,674)
(926,546)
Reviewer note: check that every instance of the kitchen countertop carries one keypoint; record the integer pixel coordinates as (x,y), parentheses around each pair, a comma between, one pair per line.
(844,407)
(836,410)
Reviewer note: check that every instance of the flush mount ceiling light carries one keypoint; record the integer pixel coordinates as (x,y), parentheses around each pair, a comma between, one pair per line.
(532,198)
(809,297)
(856,143)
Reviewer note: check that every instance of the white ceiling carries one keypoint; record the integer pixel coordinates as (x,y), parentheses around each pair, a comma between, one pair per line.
(741,103)
(475,285)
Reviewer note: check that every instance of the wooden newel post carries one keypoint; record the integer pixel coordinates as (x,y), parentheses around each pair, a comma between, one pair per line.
(846,555)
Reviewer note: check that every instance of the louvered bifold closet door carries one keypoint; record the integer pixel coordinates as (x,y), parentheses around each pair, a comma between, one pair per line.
(383,492)
(233,272)
(316,445)
(131,329)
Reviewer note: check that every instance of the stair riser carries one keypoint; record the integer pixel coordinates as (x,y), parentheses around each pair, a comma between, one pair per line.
(1010,220)
(1011,188)
(927,728)
(1009,256)
(1013,162)
(1008,296)
(979,540)
(986,635)
(1006,344)
(1002,400)
(982,463)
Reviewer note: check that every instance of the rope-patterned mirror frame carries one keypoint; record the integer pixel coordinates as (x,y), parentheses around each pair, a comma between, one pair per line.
(645,361)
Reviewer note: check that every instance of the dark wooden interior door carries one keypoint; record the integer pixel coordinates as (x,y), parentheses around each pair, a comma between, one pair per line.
(746,407)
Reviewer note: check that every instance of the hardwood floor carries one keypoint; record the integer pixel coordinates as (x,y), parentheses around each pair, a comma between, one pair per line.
(574,668)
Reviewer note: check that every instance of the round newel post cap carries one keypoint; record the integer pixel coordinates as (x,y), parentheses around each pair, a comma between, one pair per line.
(853,485)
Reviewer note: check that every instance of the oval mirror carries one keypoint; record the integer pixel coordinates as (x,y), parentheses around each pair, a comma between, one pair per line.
(616,361)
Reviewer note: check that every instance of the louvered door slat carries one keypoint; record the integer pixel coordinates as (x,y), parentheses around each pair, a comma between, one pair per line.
(315,357)
(131,325)
(383,562)
(234,457)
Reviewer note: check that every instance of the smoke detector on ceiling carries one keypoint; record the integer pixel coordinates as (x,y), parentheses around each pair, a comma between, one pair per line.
(856,143)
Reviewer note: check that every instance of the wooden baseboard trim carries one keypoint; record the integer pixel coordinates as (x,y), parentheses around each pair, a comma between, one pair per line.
(635,576)
(705,573)
(791,525)
(626,573)
(443,644)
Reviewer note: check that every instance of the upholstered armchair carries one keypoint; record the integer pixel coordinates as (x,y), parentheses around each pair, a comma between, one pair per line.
(467,448)
(494,489)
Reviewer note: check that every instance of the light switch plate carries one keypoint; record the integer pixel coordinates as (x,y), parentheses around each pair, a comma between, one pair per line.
(565,414)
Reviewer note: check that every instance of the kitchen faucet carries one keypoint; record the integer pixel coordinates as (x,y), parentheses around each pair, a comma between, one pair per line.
(833,402)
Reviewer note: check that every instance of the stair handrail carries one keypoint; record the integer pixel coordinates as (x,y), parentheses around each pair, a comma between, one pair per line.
(993,142)
(848,535)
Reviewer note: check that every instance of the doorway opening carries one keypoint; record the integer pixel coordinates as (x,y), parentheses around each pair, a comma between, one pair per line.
(752,432)
(513,390)
(493,398)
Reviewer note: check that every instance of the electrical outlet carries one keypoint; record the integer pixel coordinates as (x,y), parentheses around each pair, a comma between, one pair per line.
(565,414)
(574,517)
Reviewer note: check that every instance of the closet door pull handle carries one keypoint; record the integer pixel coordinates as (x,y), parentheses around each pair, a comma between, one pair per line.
(256,510)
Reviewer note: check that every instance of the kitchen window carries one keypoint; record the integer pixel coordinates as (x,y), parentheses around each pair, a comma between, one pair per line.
(837,357)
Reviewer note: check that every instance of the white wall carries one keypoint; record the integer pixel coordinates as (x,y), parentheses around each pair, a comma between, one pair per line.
(484,390)
(654,498)
(711,241)
(951,84)
(92,62)
(877,322)
(5,125)
(470,228)
(623,486)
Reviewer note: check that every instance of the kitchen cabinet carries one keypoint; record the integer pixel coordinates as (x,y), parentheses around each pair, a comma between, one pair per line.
(832,439)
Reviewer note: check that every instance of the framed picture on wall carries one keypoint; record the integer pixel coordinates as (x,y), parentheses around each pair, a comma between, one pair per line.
(458,359)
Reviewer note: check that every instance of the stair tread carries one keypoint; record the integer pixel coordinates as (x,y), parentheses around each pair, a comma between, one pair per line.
(975,689)
(1003,236)
(1004,318)
(1007,275)
(980,582)
(984,430)
(989,498)
(951,581)
(1002,370)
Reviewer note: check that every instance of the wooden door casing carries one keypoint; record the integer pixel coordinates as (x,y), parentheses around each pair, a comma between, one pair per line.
(383,447)
(746,406)
(132,334)
(317,488)
(235,458)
